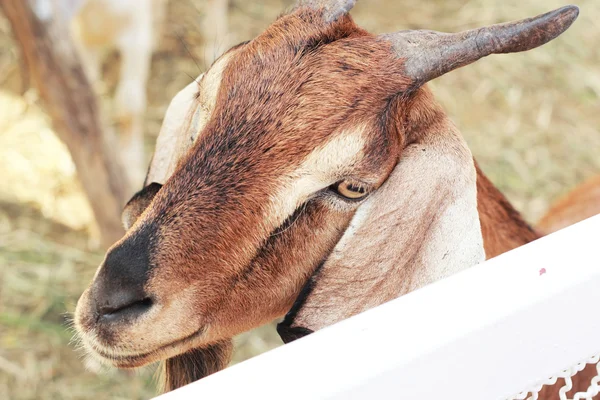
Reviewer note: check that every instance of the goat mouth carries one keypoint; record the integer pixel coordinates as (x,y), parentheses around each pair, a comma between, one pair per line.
(286,329)
(140,359)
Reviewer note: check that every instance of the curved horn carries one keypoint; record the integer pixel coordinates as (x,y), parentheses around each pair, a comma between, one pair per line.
(332,9)
(430,54)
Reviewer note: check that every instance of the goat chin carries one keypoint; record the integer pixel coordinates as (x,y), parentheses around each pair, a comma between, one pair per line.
(179,370)
(195,364)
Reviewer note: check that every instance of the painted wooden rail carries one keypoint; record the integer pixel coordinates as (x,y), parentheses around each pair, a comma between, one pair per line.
(490,332)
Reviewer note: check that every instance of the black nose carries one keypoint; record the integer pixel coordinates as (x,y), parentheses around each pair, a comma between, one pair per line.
(118,290)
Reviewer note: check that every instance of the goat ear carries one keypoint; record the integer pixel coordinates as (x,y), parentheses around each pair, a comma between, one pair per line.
(421,225)
(138,203)
(186,368)
(177,133)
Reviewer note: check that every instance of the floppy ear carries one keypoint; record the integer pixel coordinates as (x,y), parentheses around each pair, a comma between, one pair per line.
(138,203)
(421,225)
(183,120)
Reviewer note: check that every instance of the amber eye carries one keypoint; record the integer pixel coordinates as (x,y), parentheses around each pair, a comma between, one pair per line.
(350,190)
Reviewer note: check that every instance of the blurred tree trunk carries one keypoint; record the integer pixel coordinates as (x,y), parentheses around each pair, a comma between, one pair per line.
(56,71)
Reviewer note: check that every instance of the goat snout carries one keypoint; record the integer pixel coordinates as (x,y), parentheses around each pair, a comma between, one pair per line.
(120,305)
(118,291)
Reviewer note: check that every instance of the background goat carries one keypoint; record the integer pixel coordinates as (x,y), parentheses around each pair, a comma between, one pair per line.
(583,202)
(326,194)
(133,28)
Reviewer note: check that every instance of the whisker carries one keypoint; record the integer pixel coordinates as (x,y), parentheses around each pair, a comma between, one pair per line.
(185,46)
(218,42)
(203,19)
(194,79)
(300,211)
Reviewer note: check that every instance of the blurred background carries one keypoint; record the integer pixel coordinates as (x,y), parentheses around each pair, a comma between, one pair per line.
(532,121)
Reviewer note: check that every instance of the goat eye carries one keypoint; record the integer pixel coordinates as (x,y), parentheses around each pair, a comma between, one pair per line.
(349,190)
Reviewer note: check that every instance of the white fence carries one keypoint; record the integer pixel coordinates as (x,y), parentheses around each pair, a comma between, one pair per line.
(490,332)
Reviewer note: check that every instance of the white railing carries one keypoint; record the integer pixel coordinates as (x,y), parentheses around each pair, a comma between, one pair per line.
(491,332)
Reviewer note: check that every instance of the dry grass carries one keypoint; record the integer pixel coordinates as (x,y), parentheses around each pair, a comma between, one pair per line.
(531,119)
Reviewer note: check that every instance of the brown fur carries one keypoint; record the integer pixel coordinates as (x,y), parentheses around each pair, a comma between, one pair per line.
(195,364)
(502,226)
(581,382)
(247,215)
(580,203)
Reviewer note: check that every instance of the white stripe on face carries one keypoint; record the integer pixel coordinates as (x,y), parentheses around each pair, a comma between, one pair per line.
(321,168)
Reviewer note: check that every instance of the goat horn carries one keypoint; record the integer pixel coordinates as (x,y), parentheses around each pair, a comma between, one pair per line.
(332,9)
(429,54)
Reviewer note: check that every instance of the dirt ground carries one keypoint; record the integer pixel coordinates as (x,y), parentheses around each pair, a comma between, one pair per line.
(532,120)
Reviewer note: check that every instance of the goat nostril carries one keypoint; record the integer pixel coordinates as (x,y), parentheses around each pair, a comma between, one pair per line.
(131,309)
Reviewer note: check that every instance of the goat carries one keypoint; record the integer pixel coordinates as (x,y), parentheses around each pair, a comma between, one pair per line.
(582,202)
(308,173)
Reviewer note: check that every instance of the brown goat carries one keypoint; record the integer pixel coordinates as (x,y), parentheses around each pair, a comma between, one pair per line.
(308,172)
(582,202)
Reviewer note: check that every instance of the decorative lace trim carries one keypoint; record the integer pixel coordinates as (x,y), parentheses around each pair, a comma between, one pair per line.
(567,374)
